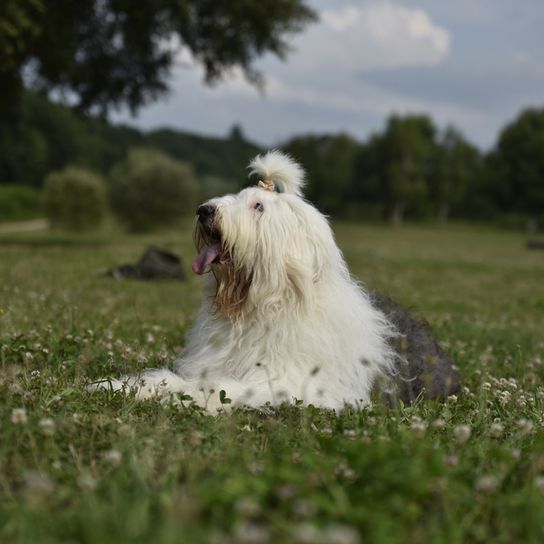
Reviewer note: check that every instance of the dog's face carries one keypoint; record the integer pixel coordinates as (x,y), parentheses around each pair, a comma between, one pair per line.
(263,248)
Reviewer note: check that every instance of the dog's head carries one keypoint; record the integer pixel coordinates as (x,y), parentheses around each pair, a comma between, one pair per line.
(266,245)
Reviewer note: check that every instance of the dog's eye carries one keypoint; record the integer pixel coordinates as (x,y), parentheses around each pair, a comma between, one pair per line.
(258,206)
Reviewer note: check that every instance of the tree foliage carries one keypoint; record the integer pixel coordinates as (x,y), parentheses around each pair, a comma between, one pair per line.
(108,53)
(328,161)
(518,165)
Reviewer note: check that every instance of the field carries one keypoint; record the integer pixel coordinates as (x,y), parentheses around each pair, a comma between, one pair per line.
(80,467)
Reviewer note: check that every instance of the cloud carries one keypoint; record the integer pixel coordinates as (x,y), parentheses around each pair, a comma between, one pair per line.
(383,35)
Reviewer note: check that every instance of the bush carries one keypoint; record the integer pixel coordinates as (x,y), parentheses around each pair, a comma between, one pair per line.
(74,199)
(18,203)
(149,189)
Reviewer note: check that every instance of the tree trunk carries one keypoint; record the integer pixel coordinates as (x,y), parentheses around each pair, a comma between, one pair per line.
(443,213)
(397,216)
(532,224)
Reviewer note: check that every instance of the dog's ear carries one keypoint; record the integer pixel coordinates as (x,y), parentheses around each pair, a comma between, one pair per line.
(279,171)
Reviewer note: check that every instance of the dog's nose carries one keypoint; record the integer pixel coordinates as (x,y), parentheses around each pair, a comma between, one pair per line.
(205,212)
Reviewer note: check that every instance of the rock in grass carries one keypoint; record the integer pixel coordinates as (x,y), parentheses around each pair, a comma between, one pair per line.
(155,264)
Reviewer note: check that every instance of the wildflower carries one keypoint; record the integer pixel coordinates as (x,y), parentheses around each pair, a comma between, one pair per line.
(247,507)
(307,533)
(451,460)
(304,508)
(525,425)
(350,433)
(86,482)
(438,424)
(340,534)
(18,416)
(504,397)
(462,433)
(113,457)
(516,453)
(47,426)
(539,483)
(251,533)
(418,428)
(286,491)
(496,430)
(38,487)
(486,484)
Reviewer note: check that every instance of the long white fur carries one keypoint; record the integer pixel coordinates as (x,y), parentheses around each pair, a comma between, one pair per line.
(308,331)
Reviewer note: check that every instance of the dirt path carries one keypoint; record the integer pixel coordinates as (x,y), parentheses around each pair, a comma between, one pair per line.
(23,226)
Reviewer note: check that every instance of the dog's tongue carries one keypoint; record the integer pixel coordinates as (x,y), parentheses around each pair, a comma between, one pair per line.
(205,258)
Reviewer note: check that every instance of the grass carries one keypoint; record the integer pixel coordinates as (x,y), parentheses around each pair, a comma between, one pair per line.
(79,467)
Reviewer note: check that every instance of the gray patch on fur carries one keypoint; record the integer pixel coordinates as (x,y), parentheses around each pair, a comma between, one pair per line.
(424,369)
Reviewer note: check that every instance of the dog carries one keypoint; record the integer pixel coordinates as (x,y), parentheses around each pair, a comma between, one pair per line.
(282,319)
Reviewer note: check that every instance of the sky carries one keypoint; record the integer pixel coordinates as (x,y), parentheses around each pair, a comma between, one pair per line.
(472,63)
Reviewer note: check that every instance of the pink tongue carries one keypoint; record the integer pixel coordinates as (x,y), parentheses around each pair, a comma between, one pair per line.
(205,258)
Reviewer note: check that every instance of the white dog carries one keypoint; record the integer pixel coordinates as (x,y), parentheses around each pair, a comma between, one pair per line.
(281,318)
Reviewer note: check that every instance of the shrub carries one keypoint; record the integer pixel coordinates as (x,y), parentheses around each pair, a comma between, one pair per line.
(74,199)
(150,189)
(18,202)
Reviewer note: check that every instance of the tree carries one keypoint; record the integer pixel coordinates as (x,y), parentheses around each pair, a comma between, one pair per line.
(518,166)
(457,165)
(328,161)
(408,147)
(109,53)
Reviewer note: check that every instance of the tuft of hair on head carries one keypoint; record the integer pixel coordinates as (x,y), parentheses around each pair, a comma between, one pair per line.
(276,166)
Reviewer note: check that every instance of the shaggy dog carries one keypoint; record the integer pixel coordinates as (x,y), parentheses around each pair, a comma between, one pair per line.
(282,319)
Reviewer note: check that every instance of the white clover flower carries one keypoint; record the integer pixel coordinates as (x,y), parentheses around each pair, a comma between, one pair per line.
(47,426)
(251,533)
(38,487)
(525,425)
(340,534)
(307,533)
(418,428)
(451,460)
(86,482)
(18,416)
(462,433)
(539,483)
(113,457)
(486,484)
(496,430)
(247,507)
(439,424)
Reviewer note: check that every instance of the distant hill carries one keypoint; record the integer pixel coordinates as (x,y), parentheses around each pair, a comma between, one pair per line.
(44,136)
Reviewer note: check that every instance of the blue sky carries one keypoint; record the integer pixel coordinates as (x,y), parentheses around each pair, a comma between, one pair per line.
(473,63)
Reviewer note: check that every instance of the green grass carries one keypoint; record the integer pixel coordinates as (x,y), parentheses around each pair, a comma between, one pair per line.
(80,467)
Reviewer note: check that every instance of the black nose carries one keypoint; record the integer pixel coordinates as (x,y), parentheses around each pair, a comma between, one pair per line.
(205,212)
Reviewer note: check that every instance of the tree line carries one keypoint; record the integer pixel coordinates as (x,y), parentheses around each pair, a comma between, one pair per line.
(410,170)
(414,170)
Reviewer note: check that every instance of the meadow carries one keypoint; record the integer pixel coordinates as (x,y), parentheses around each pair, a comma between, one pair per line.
(89,468)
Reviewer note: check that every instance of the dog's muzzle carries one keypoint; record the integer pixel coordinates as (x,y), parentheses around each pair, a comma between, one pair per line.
(205,213)
(210,251)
